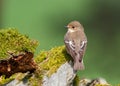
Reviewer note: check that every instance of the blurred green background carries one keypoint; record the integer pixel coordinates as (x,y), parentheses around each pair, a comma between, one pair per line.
(45,20)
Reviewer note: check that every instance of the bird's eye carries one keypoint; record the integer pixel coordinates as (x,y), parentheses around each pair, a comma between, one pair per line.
(73,27)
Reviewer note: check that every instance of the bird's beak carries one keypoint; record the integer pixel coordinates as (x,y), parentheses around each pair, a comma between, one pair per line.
(66,26)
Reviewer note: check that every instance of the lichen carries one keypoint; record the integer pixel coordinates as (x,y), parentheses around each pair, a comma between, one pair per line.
(14,42)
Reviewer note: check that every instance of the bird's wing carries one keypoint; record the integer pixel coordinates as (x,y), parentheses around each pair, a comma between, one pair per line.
(83,45)
(82,48)
(71,48)
(70,44)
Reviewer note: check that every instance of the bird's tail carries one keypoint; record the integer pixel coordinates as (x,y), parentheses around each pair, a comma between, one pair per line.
(78,65)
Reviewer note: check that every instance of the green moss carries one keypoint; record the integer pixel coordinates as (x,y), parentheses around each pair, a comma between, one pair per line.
(51,60)
(4,80)
(76,81)
(35,82)
(13,41)
(48,63)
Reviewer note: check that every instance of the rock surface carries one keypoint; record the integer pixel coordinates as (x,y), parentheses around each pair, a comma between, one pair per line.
(16,83)
(63,77)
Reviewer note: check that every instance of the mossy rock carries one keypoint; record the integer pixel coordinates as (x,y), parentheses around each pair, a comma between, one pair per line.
(11,41)
(51,60)
(48,63)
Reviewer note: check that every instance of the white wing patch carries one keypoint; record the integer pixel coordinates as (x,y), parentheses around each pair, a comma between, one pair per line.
(72,46)
(82,45)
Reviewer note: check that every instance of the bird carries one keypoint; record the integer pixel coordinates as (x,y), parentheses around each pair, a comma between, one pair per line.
(75,41)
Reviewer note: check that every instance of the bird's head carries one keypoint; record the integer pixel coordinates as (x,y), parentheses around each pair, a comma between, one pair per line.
(74,26)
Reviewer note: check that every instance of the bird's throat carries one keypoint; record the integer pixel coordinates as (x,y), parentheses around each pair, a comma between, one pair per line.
(70,30)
